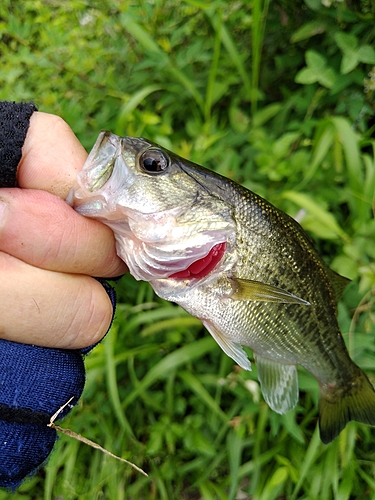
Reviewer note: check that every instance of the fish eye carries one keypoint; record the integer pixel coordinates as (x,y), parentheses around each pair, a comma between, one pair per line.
(154,161)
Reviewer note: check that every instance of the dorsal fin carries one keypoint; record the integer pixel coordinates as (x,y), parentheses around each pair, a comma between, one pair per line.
(338,282)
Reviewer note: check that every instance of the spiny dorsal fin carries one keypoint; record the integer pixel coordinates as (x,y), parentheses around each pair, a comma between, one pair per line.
(279,384)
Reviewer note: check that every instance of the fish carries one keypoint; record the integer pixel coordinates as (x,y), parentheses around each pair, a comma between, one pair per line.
(227,256)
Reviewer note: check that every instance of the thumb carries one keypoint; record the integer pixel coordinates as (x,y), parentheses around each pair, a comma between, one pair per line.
(51,156)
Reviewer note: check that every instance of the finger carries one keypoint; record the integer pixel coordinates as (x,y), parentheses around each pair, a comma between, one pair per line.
(51,156)
(42,230)
(51,309)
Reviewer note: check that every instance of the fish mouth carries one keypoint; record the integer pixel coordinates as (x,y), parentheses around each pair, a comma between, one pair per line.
(202,267)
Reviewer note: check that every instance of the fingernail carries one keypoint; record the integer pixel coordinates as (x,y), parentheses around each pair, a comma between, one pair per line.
(3,212)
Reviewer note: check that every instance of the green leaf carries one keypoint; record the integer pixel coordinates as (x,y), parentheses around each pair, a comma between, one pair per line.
(360,206)
(279,476)
(306,76)
(349,61)
(327,78)
(316,71)
(314,5)
(274,485)
(169,324)
(345,266)
(322,145)
(346,42)
(282,146)
(308,30)
(315,61)
(218,90)
(369,182)
(321,215)
(265,114)
(352,54)
(239,120)
(366,54)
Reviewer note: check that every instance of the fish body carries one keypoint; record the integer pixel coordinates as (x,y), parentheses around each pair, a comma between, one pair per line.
(247,270)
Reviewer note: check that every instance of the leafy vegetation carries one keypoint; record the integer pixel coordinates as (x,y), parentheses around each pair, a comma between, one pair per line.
(279,96)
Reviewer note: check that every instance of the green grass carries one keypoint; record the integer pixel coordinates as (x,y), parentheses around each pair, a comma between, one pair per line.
(232,86)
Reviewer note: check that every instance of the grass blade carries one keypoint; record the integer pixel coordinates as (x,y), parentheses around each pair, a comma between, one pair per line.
(312,453)
(258,27)
(230,47)
(131,105)
(177,358)
(144,39)
(196,386)
(234,447)
(114,397)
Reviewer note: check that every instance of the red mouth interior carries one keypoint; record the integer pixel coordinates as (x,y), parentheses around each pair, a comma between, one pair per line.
(202,267)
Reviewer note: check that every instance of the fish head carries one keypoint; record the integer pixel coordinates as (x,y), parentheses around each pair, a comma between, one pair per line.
(167,220)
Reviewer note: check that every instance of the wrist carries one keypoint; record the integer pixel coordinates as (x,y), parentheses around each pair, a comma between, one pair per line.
(14,124)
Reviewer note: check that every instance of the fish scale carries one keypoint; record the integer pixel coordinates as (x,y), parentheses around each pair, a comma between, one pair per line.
(269,289)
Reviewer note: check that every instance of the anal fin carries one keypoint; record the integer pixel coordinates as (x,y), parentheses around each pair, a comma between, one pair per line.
(279,384)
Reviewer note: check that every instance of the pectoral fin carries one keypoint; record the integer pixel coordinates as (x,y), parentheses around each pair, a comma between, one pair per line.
(279,384)
(230,348)
(255,290)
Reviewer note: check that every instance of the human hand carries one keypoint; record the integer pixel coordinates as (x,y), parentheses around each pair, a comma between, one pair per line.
(48,252)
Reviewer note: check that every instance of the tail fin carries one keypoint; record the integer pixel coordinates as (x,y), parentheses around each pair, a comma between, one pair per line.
(338,406)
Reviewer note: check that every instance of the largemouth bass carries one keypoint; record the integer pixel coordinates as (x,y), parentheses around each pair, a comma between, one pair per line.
(247,270)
